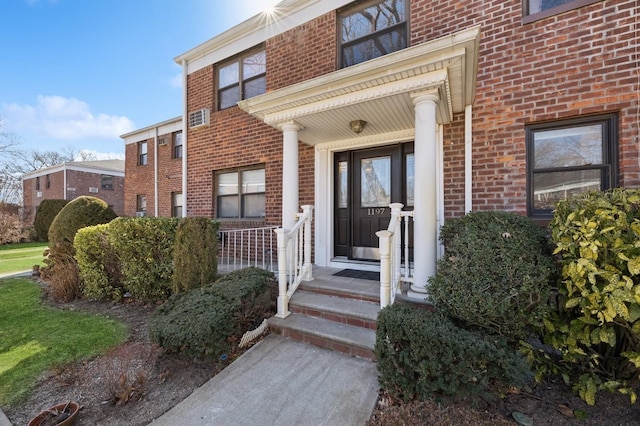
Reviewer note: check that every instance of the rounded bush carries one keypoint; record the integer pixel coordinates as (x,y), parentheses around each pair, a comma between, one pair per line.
(81,212)
(47,211)
(495,275)
(195,254)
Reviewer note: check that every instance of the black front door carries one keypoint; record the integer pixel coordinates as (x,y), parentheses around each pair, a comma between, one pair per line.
(366,182)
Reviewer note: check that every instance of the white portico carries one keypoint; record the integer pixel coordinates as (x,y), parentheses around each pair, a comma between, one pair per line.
(405,98)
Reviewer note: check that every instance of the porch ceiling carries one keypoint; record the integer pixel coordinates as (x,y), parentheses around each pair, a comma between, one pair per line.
(379,91)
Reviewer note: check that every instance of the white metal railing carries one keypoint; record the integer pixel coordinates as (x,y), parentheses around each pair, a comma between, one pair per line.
(393,270)
(294,258)
(241,248)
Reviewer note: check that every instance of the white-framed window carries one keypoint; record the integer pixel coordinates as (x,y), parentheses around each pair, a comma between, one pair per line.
(539,9)
(240,193)
(142,153)
(176,204)
(243,77)
(177,145)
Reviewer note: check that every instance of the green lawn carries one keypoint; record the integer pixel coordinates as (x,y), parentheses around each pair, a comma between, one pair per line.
(35,337)
(20,257)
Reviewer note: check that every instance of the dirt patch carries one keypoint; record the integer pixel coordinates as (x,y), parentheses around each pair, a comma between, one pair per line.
(136,383)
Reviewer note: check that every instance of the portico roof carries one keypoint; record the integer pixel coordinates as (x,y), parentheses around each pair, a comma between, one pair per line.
(379,91)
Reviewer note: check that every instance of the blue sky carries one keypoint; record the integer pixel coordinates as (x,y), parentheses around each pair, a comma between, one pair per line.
(79,73)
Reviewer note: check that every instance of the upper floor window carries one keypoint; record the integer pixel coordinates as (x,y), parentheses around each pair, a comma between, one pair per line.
(48,181)
(106,181)
(241,193)
(177,145)
(242,78)
(569,157)
(538,9)
(142,153)
(372,29)
(37,183)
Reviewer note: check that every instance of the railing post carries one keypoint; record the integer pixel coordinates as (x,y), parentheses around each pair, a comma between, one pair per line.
(307,210)
(385,267)
(283,299)
(396,257)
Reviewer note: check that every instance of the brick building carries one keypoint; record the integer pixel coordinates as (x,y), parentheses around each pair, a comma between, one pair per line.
(444,106)
(102,179)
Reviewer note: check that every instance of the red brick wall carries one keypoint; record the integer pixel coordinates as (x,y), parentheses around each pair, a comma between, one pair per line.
(140,179)
(576,63)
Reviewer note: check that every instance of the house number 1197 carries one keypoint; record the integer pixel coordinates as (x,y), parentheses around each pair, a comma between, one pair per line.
(376,212)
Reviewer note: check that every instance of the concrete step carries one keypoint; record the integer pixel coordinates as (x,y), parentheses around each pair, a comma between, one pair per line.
(344,287)
(349,339)
(343,310)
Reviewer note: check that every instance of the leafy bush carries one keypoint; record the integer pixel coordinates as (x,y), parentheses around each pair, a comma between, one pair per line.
(81,212)
(98,263)
(421,354)
(11,229)
(145,248)
(597,328)
(495,274)
(46,212)
(207,322)
(195,254)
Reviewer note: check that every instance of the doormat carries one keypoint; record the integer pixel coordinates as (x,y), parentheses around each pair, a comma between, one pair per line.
(361,275)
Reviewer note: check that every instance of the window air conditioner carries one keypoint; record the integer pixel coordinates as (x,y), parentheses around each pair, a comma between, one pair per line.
(141,214)
(199,118)
(93,189)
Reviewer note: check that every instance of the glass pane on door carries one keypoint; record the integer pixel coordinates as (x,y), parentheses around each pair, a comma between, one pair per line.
(375,184)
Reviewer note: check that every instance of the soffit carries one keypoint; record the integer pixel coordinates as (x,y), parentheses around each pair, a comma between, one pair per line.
(379,91)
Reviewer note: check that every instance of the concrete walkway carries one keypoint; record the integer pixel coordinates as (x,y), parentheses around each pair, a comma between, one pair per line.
(282,381)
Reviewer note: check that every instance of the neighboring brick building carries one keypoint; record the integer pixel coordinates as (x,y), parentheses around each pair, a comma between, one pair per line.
(442,105)
(153,180)
(103,179)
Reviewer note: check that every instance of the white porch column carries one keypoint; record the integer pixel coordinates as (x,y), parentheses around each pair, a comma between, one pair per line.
(290,205)
(425,198)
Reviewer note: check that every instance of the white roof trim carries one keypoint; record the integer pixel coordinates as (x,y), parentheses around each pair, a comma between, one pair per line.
(69,166)
(164,127)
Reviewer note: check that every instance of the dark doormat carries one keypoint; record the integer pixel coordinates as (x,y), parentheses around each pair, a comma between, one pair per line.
(361,275)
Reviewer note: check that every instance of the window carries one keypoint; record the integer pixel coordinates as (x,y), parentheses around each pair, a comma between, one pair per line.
(242,78)
(538,9)
(48,181)
(177,145)
(176,204)
(107,182)
(241,194)
(141,203)
(142,153)
(38,183)
(372,29)
(569,157)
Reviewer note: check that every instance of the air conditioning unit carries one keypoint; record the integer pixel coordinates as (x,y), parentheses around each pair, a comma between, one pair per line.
(39,194)
(141,214)
(93,189)
(199,118)
(162,141)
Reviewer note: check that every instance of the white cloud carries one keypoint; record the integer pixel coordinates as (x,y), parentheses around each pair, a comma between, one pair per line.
(65,119)
(176,81)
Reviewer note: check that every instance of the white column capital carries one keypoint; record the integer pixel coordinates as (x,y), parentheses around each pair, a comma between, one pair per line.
(426,96)
(290,126)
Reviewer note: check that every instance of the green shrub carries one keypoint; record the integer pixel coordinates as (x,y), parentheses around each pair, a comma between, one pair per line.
(145,248)
(421,354)
(495,274)
(597,328)
(81,212)
(195,254)
(98,263)
(46,212)
(61,272)
(208,321)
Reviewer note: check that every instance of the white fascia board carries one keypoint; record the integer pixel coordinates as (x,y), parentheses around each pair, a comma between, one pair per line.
(164,127)
(66,166)
(44,172)
(288,15)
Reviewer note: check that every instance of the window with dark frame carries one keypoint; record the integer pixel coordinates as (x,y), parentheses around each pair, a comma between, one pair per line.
(142,153)
(48,184)
(176,204)
(240,193)
(177,145)
(106,181)
(372,29)
(538,9)
(141,203)
(569,157)
(242,78)
(37,183)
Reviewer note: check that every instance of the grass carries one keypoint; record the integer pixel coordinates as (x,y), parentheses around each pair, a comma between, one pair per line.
(34,337)
(20,257)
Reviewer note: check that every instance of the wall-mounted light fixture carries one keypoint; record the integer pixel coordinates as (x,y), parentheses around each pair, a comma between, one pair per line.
(358,125)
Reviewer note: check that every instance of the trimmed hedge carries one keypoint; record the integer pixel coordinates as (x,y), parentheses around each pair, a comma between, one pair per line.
(195,254)
(421,354)
(145,248)
(46,212)
(81,212)
(496,273)
(209,321)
